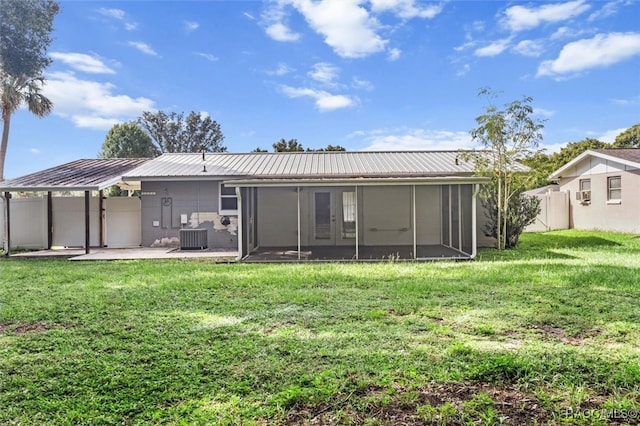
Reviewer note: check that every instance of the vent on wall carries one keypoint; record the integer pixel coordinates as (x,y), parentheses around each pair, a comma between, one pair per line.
(193,239)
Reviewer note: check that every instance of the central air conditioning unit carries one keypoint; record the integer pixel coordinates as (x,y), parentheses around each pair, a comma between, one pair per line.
(193,239)
(583,196)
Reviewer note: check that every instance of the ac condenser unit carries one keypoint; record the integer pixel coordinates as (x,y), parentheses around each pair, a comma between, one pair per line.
(193,239)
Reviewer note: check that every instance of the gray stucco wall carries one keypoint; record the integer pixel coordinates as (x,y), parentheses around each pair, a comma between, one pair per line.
(198,200)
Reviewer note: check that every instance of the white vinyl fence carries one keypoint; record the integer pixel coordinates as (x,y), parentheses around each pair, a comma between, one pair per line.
(554,212)
(121,222)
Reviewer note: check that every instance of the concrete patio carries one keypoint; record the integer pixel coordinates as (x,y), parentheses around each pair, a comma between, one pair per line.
(217,255)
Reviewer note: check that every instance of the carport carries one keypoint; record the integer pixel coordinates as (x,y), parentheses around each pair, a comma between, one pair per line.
(83,176)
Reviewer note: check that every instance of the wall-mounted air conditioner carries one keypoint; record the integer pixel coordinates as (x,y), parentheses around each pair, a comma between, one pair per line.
(583,196)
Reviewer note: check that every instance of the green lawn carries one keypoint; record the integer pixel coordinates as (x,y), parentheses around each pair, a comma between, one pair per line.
(548,333)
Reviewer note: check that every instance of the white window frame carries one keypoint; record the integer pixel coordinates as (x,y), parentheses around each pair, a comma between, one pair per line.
(609,189)
(221,196)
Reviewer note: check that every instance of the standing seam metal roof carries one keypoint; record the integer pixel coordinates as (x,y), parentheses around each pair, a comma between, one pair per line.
(342,164)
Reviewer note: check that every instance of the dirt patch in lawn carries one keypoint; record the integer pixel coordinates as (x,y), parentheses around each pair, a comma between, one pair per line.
(558,333)
(29,327)
(451,404)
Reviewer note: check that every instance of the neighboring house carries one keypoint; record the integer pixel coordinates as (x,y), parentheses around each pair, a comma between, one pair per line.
(282,206)
(604,189)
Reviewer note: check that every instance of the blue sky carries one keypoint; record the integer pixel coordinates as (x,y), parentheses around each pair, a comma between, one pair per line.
(364,74)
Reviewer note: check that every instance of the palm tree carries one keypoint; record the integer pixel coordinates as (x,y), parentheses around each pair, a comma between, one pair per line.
(15,91)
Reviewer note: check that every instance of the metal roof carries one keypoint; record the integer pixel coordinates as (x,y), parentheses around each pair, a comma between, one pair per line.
(305,165)
(79,175)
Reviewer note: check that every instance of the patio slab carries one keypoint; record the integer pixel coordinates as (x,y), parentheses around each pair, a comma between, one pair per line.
(220,255)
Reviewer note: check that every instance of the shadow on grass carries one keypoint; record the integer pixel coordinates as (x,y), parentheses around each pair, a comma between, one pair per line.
(546,246)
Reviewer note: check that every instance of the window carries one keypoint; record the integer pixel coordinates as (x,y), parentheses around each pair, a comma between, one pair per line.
(228,200)
(584,196)
(614,188)
(348,215)
(585,184)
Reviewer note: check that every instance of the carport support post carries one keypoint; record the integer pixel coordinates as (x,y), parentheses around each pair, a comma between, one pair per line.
(87,239)
(7,197)
(101,217)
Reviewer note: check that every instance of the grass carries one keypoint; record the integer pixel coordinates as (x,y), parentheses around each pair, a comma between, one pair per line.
(548,333)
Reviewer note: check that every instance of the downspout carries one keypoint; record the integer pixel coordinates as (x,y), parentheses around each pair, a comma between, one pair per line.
(357,226)
(415,222)
(7,224)
(240,213)
(474,235)
(298,206)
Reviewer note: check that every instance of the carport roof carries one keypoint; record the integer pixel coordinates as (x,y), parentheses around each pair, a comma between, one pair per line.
(80,175)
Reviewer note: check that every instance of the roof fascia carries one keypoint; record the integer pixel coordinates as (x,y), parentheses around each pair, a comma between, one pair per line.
(558,173)
(352,182)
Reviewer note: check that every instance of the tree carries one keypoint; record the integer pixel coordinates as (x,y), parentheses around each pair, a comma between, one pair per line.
(128,140)
(630,138)
(332,148)
(507,136)
(25,28)
(15,91)
(291,145)
(522,211)
(174,132)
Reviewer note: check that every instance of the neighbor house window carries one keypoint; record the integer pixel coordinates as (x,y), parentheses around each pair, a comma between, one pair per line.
(585,191)
(228,200)
(614,188)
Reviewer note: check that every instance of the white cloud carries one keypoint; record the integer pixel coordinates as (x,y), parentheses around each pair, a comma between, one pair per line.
(406,9)
(361,84)
(324,73)
(532,48)
(280,32)
(394,54)
(112,13)
(35,151)
(463,71)
(597,52)
(143,47)
(347,27)
(119,15)
(92,104)
(325,101)
(82,62)
(610,135)
(494,49)
(407,139)
(190,26)
(546,113)
(520,18)
(282,69)
(208,56)
(609,9)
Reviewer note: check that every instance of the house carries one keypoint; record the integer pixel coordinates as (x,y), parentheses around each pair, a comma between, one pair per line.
(604,189)
(289,205)
(315,205)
